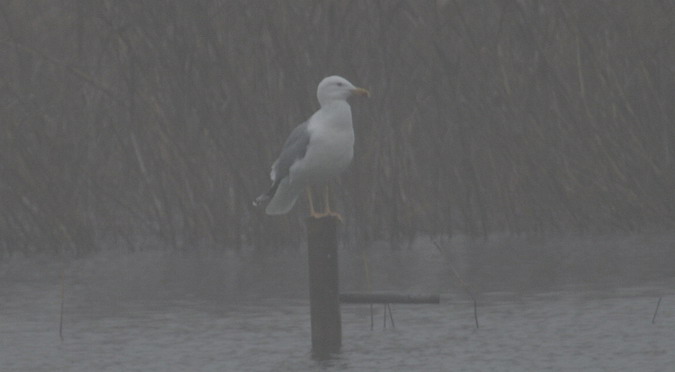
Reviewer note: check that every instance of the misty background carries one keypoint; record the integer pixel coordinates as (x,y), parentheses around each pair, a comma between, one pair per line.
(524,150)
(152,123)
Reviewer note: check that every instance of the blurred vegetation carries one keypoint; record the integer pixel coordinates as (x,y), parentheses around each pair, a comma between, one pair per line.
(130,123)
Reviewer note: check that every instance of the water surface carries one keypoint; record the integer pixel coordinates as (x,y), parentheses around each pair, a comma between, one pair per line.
(584,304)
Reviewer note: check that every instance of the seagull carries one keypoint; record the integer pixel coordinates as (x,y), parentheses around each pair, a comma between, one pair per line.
(316,151)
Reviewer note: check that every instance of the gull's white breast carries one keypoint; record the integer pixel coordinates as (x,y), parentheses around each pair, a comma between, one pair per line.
(331,145)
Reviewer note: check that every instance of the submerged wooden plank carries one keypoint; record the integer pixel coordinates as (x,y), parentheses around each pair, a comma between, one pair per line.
(387,298)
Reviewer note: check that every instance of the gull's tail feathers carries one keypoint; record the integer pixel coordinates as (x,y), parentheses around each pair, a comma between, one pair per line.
(268,194)
(284,198)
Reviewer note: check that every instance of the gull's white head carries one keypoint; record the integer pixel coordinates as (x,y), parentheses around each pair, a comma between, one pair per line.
(336,88)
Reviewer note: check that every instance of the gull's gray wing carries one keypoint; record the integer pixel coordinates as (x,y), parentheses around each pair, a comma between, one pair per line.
(294,149)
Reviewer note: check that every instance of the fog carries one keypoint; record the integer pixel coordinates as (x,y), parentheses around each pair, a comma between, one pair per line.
(125,122)
(518,152)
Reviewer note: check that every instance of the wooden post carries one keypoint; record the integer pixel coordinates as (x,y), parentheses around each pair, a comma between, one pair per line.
(324,298)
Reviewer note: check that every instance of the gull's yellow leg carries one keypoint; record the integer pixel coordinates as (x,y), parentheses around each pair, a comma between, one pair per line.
(326,203)
(326,200)
(312,212)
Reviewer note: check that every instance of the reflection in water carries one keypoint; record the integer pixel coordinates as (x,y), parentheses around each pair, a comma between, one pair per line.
(569,304)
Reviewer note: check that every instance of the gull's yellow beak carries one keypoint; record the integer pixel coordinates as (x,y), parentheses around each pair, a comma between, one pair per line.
(361,92)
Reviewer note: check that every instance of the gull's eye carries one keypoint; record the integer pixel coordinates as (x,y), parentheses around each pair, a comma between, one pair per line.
(339,84)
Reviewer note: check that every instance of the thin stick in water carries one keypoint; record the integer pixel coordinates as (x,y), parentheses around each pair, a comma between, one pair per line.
(62,301)
(385,316)
(475,313)
(464,286)
(656,310)
(391,316)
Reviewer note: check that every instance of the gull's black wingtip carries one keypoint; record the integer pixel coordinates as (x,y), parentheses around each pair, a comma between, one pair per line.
(261,199)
